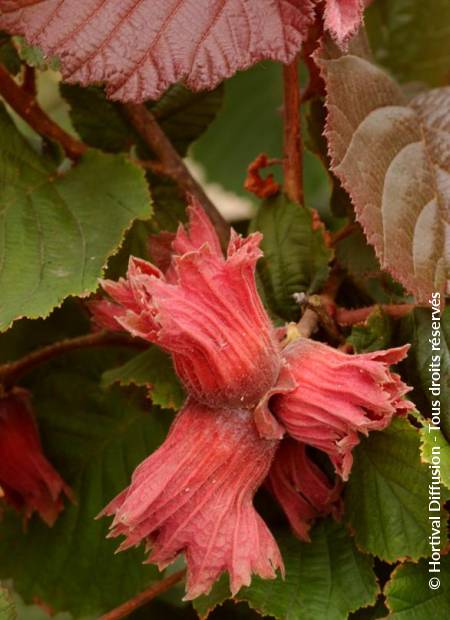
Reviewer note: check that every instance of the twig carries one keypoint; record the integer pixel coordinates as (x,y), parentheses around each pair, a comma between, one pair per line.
(29,80)
(145,123)
(12,371)
(27,107)
(321,304)
(293,148)
(344,232)
(316,85)
(346,317)
(152,166)
(144,597)
(308,323)
(310,320)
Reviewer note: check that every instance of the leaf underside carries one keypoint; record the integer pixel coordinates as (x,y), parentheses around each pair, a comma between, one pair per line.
(139,48)
(393,157)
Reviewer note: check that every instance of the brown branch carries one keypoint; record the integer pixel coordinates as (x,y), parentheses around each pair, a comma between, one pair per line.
(346,317)
(324,308)
(309,322)
(344,232)
(27,107)
(145,123)
(293,148)
(144,597)
(152,166)
(11,372)
(316,85)
(29,80)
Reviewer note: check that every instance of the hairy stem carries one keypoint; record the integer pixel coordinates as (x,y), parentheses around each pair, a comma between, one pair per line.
(144,597)
(293,147)
(346,317)
(147,126)
(27,107)
(11,372)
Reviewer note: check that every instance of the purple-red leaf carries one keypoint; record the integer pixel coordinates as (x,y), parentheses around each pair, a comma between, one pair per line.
(393,157)
(140,47)
(343,17)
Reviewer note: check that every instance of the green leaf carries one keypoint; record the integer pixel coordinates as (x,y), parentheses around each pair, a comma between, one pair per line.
(170,204)
(95,439)
(153,369)
(387,495)
(8,54)
(409,596)
(374,335)
(220,592)
(57,230)
(36,612)
(435,444)
(416,329)
(7,608)
(248,124)
(34,56)
(182,114)
(295,255)
(357,257)
(371,613)
(326,578)
(411,38)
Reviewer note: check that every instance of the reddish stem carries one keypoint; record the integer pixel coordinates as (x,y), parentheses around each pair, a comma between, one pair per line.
(11,372)
(27,107)
(346,317)
(293,148)
(29,80)
(344,232)
(316,85)
(152,166)
(144,597)
(147,126)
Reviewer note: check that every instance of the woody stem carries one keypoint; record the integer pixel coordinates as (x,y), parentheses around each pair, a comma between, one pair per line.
(293,147)
(144,597)
(310,320)
(24,103)
(346,317)
(147,126)
(11,372)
